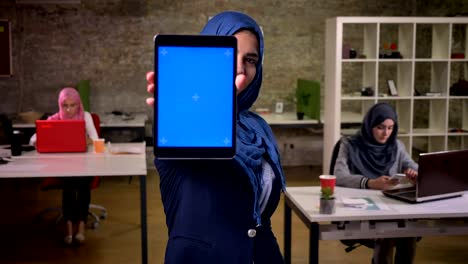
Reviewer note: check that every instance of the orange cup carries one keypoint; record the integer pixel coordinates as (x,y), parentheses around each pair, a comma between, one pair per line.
(328,181)
(98,145)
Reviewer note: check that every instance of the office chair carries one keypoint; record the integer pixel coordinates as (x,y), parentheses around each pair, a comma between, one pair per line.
(350,243)
(336,150)
(6,130)
(52,183)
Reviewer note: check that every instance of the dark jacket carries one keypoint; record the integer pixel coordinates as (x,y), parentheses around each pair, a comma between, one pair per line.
(209,214)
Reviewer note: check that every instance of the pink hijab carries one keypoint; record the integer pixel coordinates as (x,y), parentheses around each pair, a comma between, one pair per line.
(68,93)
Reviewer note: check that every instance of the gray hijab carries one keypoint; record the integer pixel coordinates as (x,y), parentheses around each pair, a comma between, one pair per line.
(368,157)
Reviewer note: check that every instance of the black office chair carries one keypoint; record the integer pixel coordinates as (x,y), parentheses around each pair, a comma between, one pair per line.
(334,156)
(6,129)
(350,243)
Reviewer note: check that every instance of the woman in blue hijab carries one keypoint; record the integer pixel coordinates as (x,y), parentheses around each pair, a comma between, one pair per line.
(367,160)
(218,211)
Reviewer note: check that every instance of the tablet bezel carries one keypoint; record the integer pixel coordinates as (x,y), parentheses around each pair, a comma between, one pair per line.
(190,152)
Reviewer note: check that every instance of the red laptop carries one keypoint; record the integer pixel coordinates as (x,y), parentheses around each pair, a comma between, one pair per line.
(61,136)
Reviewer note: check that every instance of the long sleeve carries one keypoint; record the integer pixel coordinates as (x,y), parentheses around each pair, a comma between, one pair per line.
(32,140)
(344,177)
(90,129)
(405,160)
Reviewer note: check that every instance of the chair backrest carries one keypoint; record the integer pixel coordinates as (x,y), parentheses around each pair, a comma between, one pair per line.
(52,183)
(97,123)
(334,156)
(308,98)
(6,130)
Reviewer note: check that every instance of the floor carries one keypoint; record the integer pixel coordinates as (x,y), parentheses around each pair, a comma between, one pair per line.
(26,239)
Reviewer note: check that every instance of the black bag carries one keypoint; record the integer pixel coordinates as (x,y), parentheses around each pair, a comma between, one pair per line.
(459,88)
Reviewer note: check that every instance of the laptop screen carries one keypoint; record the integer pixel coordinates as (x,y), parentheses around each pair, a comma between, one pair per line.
(61,136)
(442,173)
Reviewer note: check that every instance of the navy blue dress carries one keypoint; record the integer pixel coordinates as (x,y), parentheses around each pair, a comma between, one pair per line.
(209,208)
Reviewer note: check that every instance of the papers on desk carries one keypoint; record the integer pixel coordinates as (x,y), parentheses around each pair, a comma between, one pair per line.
(123,148)
(362,203)
(355,202)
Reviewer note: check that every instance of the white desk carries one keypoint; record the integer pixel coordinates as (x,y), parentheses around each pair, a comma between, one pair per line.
(32,165)
(135,120)
(443,217)
(289,119)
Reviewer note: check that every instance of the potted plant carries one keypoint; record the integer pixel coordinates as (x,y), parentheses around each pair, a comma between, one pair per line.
(294,100)
(299,104)
(327,201)
(290,100)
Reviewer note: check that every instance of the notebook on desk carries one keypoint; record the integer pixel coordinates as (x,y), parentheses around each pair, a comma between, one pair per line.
(61,136)
(441,175)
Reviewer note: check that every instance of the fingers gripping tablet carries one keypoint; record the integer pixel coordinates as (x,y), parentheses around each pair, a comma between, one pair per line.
(195,97)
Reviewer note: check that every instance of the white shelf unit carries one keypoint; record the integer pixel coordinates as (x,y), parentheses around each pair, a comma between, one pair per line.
(423,76)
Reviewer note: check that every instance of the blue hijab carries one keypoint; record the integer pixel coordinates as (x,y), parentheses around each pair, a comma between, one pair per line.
(255,140)
(368,157)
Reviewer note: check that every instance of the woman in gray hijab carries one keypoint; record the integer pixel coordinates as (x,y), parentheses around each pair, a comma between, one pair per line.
(367,160)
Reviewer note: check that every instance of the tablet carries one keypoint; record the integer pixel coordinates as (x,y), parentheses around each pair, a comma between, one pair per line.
(398,177)
(195,97)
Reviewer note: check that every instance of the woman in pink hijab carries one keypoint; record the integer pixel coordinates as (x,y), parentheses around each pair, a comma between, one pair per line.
(70,107)
(76,190)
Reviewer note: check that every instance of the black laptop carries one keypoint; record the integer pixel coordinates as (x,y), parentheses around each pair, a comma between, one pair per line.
(441,175)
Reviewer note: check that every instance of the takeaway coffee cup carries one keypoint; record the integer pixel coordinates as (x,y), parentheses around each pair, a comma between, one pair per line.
(98,145)
(328,181)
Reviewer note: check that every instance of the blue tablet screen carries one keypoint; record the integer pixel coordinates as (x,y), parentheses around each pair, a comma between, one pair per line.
(195,96)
